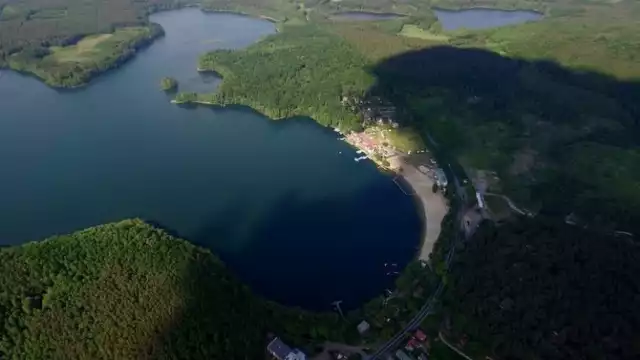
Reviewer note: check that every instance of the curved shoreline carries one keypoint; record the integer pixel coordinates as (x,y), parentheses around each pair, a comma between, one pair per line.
(433,207)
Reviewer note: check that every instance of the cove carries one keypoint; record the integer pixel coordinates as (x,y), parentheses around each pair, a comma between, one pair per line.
(483,18)
(282,202)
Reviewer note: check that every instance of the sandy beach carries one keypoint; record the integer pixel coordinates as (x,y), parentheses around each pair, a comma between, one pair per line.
(434,205)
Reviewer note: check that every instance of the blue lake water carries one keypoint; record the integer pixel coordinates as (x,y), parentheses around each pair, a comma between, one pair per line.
(483,18)
(283,203)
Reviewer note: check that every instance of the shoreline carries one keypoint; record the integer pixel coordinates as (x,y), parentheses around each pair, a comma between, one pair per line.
(432,207)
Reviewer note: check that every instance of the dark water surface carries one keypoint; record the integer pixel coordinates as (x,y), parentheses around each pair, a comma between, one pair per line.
(484,18)
(295,219)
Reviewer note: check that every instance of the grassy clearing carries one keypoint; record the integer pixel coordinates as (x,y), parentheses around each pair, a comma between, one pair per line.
(406,140)
(96,47)
(54,13)
(9,12)
(413,31)
(403,139)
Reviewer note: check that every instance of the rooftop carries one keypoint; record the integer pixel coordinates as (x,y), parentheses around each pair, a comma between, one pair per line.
(282,351)
(279,349)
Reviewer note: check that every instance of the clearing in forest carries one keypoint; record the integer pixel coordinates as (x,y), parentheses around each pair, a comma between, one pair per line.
(95,47)
(414,31)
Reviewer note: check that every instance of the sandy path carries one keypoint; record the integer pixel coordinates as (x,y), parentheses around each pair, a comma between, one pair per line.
(434,206)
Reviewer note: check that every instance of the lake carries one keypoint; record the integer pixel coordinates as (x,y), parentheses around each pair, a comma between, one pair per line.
(363,16)
(483,18)
(283,203)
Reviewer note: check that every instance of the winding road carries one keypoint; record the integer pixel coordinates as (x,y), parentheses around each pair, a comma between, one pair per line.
(428,306)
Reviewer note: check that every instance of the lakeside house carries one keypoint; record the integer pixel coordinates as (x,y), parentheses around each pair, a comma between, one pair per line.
(363,327)
(480,200)
(281,351)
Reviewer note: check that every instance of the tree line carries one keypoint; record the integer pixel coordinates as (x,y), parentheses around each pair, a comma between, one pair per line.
(302,71)
(127,290)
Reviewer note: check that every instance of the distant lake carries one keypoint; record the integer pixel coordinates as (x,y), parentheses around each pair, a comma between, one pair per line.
(364,16)
(282,202)
(483,18)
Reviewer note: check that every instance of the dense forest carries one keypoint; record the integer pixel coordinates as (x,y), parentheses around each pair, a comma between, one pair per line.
(75,65)
(130,291)
(561,141)
(303,71)
(32,30)
(542,289)
(548,111)
(28,24)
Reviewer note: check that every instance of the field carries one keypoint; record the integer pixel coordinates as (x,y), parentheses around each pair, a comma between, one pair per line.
(95,48)
(413,31)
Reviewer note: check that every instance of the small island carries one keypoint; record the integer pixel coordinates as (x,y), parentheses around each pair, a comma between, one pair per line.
(168,84)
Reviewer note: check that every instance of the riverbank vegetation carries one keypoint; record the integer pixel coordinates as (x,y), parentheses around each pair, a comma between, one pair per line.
(129,291)
(542,289)
(303,71)
(32,27)
(74,65)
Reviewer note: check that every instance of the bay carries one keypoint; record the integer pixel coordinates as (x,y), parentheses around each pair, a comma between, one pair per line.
(282,202)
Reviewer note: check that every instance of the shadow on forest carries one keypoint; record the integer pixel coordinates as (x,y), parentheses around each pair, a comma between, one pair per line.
(557,137)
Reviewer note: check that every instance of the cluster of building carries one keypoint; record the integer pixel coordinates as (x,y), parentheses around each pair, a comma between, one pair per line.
(370,145)
(373,110)
(416,348)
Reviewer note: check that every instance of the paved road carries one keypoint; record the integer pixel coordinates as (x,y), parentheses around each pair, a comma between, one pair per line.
(395,341)
(412,325)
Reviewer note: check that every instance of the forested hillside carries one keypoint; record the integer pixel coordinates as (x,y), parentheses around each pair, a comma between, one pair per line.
(38,23)
(540,289)
(129,291)
(74,65)
(304,71)
(561,141)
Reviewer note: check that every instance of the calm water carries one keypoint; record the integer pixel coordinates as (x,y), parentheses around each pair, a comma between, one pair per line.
(483,18)
(294,218)
(363,16)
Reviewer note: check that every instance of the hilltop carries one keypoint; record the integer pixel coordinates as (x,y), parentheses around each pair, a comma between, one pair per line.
(127,290)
